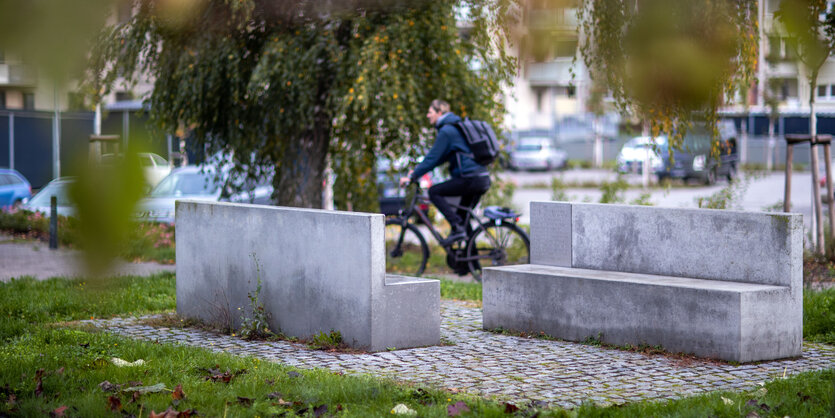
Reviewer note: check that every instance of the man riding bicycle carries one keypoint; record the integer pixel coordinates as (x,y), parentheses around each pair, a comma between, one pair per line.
(470,180)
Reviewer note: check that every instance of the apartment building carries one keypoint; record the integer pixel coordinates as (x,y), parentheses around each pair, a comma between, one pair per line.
(17,84)
(544,90)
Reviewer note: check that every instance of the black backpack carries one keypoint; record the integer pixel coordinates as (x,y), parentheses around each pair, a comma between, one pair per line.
(481,139)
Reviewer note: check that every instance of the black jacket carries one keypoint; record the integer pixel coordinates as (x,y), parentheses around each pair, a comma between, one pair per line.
(450,146)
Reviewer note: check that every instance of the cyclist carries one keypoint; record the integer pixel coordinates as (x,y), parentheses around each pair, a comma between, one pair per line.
(470,180)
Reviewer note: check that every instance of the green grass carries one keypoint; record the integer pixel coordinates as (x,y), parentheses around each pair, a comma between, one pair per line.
(805,395)
(47,366)
(28,302)
(819,315)
(460,290)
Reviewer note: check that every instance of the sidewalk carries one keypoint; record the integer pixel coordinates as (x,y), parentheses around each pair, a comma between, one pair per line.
(517,369)
(35,259)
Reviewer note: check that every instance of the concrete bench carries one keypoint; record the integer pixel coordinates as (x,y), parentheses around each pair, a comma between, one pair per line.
(715,283)
(320,271)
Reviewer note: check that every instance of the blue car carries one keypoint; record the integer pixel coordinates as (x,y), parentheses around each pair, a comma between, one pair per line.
(15,190)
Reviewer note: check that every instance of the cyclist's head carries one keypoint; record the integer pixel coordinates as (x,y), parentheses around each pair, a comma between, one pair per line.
(437,109)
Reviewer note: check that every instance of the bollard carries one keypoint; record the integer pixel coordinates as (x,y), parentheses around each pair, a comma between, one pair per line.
(53,223)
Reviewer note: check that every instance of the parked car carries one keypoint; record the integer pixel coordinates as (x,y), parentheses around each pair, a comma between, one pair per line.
(695,159)
(541,153)
(198,183)
(154,167)
(60,189)
(15,190)
(632,154)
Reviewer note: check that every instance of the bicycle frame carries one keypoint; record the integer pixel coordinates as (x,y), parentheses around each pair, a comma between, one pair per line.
(414,208)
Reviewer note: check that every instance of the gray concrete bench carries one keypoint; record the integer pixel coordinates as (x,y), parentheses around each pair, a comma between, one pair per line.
(320,271)
(714,283)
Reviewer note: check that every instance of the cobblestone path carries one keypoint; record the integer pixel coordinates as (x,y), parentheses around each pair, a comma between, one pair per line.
(512,368)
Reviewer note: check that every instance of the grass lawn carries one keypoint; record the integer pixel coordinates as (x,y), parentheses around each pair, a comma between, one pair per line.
(52,365)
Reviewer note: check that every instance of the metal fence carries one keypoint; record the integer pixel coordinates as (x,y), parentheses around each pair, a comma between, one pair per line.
(46,145)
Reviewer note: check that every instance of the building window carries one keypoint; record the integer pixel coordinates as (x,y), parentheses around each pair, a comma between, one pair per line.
(124,96)
(825,92)
(2,99)
(29,101)
(540,93)
(565,49)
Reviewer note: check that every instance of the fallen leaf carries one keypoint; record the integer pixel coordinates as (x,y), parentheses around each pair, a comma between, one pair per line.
(510,408)
(159,387)
(168,413)
(12,400)
(459,408)
(752,414)
(114,403)
(122,363)
(282,402)
(135,397)
(293,374)
(109,387)
(402,409)
(60,371)
(751,402)
(274,395)
(269,381)
(58,412)
(320,410)
(244,401)
(178,393)
(726,400)
(39,387)
(803,397)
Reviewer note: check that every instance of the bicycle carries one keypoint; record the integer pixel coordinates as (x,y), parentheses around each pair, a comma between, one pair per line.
(493,239)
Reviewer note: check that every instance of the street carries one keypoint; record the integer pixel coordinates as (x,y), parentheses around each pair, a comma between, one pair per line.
(756,192)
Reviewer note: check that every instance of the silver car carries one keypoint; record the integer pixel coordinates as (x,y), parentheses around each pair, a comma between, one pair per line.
(537,153)
(193,182)
(633,153)
(60,189)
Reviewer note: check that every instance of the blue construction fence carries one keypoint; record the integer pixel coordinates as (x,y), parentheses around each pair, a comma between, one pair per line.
(28,141)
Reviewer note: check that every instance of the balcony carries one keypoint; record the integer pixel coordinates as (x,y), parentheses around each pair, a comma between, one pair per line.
(552,73)
(16,75)
(553,19)
(784,69)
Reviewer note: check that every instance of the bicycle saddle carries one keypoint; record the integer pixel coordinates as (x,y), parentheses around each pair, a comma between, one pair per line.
(497,212)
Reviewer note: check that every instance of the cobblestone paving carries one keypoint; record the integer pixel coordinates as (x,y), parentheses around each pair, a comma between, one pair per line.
(512,368)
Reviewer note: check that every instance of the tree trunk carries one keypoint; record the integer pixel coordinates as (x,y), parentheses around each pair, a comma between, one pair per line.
(300,174)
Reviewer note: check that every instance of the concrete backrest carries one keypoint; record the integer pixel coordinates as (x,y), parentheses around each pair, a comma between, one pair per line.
(320,270)
(753,247)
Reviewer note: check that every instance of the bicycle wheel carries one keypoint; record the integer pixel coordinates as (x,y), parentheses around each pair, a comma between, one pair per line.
(406,249)
(497,245)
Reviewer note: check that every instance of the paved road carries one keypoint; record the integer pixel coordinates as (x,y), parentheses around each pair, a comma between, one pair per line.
(756,192)
(35,259)
(558,372)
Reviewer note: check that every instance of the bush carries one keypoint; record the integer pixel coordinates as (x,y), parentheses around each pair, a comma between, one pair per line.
(147,241)
(35,225)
